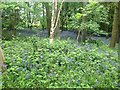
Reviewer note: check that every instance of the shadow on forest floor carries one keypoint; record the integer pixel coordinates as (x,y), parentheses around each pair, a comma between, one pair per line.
(63,35)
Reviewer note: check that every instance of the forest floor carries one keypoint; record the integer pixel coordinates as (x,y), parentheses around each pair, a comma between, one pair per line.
(63,35)
(32,62)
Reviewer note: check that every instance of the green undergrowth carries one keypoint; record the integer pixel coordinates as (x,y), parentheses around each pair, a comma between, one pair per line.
(33,62)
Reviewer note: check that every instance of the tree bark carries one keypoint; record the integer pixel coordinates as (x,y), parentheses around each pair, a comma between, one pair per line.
(48,17)
(66,15)
(57,20)
(54,6)
(78,36)
(61,19)
(43,17)
(57,30)
(54,19)
(29,17)
(14,22)
(2,66)
(84,21)
(119,34)
(0,25)
(114,28)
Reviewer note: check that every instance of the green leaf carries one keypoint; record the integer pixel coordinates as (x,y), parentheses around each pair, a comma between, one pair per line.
(78,15)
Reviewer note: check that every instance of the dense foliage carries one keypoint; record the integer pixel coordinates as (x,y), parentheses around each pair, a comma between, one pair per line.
(82,60)
(33,62)
(30,14)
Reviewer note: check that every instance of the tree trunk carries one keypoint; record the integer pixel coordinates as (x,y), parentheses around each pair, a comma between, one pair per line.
(106,25)
(78,36)
(57,30)
(61,19)
(2,66)
(14,22)
(29,16)
(52,30)
(119,34)
(114,28)
(48,17)
(0,25)
(54,19)
(43,17)
(66,15)
(84,21)
(119,23)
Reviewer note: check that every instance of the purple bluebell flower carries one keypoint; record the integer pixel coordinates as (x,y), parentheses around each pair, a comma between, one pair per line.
(23,69)
(18,69)
(26,63)
(28,75)
(31,66)
(0,73)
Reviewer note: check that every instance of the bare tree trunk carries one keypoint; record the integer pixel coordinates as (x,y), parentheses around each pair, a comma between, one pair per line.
(66,16)
(78,36)
(14,22)
(61,20)
(43,17)
(29,17)
(119,22)
(57,30)
(0,25)
(84,21)
(54,19)
(2,66)
(114,28)
(48,17)
(106,25)
(54,6)
(119,33)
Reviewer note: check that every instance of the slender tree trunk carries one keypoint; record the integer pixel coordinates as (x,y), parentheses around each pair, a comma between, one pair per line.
(119,23)
(114,28)
(43,17)
(106,28)
(14,23)
(78,36)
(29,17)
(48,17)
(2,66)
(57,29)
(106,25)
(54,6)
(62,24)
(66,16)
(84,21)
(107,36)
(54,19)
(119,33)
(0,25)
(61,19)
